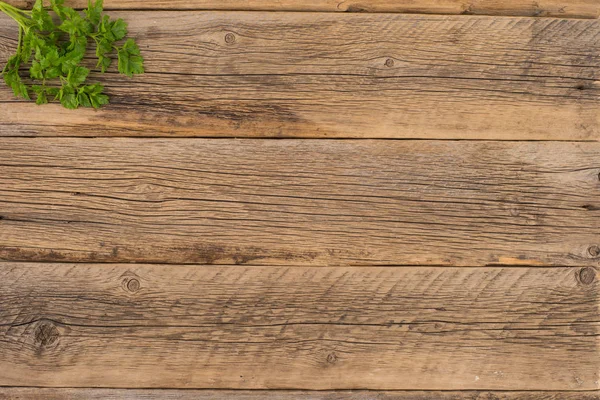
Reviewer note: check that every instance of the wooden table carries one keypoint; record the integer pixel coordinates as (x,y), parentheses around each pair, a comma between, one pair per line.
(314,200)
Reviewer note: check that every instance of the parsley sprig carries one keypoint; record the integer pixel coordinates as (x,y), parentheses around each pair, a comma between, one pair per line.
(53,49)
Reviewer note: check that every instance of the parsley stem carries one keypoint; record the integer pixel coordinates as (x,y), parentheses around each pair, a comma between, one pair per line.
(15,14)
(7,6)
(18,54)
(20,40)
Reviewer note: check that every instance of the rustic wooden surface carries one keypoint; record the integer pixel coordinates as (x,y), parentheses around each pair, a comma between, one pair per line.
(540,8)
(130,394)
(159,262)
(299,327)
(309,202)
(339,75)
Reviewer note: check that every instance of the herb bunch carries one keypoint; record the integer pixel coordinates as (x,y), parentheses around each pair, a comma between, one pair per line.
(53,53)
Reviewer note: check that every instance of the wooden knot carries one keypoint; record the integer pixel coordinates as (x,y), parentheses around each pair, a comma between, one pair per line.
(331,358)
(389,63)
(594,251)
(133,285)
(230,38)
(356,8)
(46,334)
(587,275)
(130,282)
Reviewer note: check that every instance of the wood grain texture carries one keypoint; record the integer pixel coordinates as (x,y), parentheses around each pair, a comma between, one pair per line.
(261,74)
(540,8)
(173,394)
(308,202)
(239,327)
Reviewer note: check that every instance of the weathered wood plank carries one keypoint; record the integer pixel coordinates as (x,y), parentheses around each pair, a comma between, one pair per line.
(424,328)
(540,8)
(340,75)
(174,394)
(309,202)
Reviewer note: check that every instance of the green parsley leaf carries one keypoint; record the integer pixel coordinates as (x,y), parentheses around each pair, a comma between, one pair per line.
(69,101)
(13,80)
(77,76)
(52,91)
(41,99)
(41,17)
(130,61)
(104,46)
(68,98)
(51,58)
(94,11)
(40,92)
(36,70)
(83,99)
(26,50)
(98,100)
(52,49)
(131,47)
(70,60)
(104,63)
(58,8)
(75,25)
(118,29)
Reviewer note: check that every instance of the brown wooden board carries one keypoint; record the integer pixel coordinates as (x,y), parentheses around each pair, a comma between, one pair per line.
(239,327)
(316,75)
(540,8)
(300,202)
(152,394)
